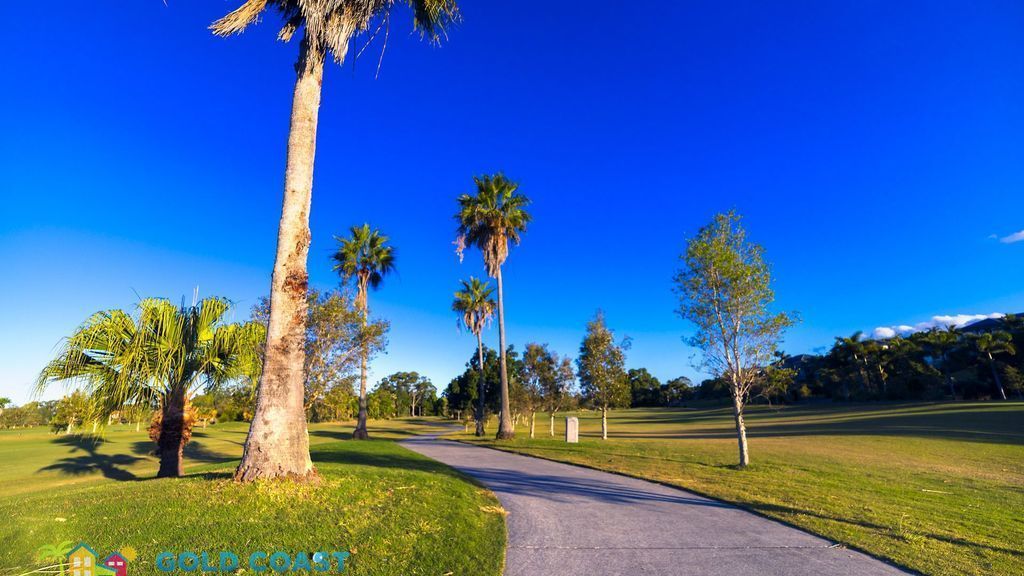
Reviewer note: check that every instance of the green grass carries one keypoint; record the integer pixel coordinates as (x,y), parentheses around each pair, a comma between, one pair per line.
(395,511)
(938,488)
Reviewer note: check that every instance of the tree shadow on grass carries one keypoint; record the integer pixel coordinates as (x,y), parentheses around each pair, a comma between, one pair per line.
(992,423)
(91,460)
(365,453)
(195,451)
(775,509)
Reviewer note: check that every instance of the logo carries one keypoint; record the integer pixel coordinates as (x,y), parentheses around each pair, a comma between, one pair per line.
(82,560)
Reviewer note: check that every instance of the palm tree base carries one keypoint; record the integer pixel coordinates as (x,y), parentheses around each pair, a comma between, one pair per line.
(253,473)
(360,434)
(505,435)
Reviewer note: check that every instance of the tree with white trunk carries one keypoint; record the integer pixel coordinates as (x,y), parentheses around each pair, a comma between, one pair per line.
(724,290)
(601,368)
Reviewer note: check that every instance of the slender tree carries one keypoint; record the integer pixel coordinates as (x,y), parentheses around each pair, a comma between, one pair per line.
(939,343)
(489,220)
(724,290)
(364,257)
(278,442)
(853,351)
(165,354)
(474,303)
(989,345)
(602,371)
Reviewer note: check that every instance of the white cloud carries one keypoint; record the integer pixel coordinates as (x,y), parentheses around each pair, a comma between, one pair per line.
(942,321)
(1015,237)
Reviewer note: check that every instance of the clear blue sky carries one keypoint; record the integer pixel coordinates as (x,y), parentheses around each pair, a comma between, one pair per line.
(875,149)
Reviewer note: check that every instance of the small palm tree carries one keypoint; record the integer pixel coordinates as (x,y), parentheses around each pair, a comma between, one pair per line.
(475,305)
(55,553)
(278,442)
(163,356)
(938,342)
(489,220)
(366,258)
(992,344)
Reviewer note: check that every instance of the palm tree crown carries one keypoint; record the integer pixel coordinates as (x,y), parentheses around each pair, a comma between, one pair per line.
(475,304)
(122,361)
(330,24)
(366,256)
(491,218)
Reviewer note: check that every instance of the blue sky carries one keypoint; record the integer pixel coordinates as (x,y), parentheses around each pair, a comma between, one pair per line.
(875,150)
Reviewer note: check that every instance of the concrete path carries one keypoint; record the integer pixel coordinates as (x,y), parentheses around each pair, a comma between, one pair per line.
(566,520)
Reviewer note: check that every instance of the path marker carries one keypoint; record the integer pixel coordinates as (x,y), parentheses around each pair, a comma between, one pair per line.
(572,429)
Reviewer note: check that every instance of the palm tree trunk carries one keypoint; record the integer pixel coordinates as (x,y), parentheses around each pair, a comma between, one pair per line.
(481,390)
(171,443)
(505,429)
(361,433)
(995,376)
(552,424)
(741,430)
(604,422)
(278,442)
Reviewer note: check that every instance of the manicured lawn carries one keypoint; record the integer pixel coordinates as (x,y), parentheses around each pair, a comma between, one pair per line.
(933,487)
(395,511)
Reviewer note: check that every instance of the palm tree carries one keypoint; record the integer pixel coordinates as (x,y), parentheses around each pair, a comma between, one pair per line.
(475,305)
(278,442)
(854,351)
(938,343)
(163,355)
(992,344)
(365,257)
(489,220)
(55,553)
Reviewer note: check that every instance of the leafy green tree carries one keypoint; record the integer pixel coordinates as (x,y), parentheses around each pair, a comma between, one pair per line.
(489,220)
(72,410)
(724,290)
(676,391)
(475,305)
(334,338)
(541,381)
(987,347)
(4,403)
(939,343)
(852,351)
(278,442)
(164,355)
(366,258)
(557,393)
(644,388)
(601,369)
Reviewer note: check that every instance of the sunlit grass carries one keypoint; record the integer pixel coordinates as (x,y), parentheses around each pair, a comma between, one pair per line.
(395,511)
(934,487)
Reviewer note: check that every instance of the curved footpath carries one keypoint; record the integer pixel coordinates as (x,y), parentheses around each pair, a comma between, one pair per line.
(567,520)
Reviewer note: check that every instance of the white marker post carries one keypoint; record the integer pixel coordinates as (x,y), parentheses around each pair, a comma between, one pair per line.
(572,430)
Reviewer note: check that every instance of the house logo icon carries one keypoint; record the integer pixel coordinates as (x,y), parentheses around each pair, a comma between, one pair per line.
(83,561)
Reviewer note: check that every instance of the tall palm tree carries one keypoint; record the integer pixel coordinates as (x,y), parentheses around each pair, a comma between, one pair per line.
(938,343)
(489,220)
(992,344)
(475,305)
(164,355)
(278,442)
(366,258)
(854,351)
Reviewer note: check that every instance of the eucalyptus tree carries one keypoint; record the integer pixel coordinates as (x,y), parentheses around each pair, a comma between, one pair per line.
(474,303)
(278,441)
(365,258)
(602,371)
(989,345)
(165,354)
(540,372)
(557,392)
(724,289)
(489,220)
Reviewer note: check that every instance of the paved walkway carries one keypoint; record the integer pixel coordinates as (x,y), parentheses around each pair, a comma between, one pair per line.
(566,520)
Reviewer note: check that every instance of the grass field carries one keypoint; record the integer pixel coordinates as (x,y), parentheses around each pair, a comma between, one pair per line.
(938,488)
(398,513)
